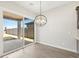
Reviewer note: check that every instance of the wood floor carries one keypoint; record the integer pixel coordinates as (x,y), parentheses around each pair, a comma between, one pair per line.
(42,51)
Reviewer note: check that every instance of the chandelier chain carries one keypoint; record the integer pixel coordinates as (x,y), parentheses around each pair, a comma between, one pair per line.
(40,8)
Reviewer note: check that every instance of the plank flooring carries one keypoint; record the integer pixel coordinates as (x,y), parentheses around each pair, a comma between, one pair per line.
(42,51)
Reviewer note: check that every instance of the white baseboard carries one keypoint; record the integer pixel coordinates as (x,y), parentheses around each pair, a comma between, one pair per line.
(57,47)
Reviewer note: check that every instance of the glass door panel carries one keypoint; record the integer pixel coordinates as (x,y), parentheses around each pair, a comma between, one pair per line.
(12,34)
(28,31)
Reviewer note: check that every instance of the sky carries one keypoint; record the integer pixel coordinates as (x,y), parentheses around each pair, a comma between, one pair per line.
(13,24)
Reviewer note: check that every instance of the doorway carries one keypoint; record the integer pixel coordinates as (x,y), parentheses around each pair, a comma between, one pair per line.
(18,31)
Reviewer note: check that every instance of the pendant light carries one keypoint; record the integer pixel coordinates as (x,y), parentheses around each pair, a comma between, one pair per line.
(40,19)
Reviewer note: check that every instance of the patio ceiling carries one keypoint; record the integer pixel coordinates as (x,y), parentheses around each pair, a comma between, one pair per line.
(12,16)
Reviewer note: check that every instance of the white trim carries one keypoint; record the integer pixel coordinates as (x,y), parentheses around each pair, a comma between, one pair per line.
(23,31)
(34,32)
(57,47)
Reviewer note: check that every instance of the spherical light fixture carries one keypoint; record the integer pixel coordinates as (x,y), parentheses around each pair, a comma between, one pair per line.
(40,20)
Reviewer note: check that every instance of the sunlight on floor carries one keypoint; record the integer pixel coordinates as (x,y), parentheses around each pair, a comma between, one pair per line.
(8,35)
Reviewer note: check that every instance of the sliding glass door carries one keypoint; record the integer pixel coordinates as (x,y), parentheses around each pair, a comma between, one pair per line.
(18,31)
(12,34)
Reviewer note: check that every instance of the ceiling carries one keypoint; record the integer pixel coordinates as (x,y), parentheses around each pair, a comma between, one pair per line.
(34,6)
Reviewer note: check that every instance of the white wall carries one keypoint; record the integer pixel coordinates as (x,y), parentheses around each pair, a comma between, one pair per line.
(1,32)
(61,28)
